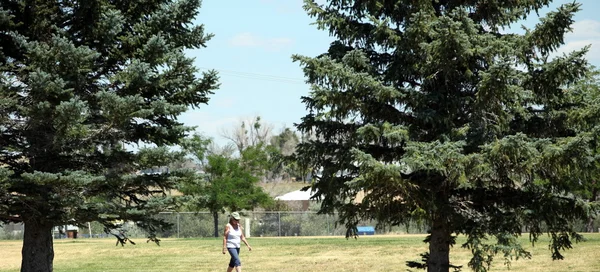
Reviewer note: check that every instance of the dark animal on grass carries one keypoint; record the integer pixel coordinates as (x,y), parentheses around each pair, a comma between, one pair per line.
(153,239)
(122,238)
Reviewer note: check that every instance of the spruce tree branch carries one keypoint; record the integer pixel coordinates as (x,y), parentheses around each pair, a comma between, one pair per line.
(11,218)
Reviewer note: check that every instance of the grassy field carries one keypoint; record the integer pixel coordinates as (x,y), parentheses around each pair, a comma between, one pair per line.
(307,254)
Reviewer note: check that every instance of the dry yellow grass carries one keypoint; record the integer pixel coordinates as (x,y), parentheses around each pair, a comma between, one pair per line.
(301,254)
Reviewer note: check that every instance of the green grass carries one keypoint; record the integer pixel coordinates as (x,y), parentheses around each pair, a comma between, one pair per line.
(373,253)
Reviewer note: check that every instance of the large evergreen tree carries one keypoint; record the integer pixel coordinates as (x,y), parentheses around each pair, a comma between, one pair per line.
(80,81)
(437,114)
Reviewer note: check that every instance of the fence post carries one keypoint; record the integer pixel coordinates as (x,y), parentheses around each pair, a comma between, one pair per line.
(279,223)
(178,225)
(328,231)
(247,227)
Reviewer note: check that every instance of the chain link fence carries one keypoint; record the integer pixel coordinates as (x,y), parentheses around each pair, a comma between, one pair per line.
(11,231)
(266,224)
(256,224)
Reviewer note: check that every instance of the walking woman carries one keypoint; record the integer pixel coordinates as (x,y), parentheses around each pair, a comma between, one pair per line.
(231,242)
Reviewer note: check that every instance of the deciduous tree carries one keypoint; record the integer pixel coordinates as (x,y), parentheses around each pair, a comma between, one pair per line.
(250,132)
(226,183)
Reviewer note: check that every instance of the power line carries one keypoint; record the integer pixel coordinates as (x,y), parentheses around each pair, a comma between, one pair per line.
(258,76)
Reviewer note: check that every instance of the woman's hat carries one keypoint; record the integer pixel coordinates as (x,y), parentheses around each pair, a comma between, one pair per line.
(235,215)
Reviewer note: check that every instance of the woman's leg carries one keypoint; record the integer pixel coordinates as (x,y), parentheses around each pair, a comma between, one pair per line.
(235,260)
(238,266)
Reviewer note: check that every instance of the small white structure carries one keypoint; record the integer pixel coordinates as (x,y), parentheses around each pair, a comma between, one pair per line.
(70,231)
(296,195)
(297,200)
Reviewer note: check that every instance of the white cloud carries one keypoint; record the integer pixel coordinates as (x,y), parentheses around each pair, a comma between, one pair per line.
(245,40)
(585,33)
(593,52)
(585,29)
(248,39)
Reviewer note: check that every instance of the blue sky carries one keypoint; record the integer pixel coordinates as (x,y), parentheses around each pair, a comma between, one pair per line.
(252,48)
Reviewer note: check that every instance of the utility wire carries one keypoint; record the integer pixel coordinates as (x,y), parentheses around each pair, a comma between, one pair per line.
(258,76)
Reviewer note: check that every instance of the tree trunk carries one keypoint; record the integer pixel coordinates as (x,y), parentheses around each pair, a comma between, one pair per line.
(38,251)
(216,221)
(590,224)
(439,247)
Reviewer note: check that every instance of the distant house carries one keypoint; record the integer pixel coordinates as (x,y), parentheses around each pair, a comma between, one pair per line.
(297,200)
(300,200)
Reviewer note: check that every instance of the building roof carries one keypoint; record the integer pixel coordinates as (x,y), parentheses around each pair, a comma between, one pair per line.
(296,195)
